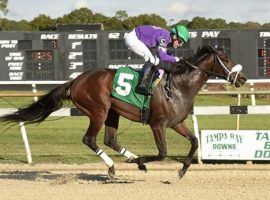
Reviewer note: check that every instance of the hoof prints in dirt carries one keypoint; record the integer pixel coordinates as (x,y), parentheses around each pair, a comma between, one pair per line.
(28,175)
(104,179)
(58,179)
(165,182)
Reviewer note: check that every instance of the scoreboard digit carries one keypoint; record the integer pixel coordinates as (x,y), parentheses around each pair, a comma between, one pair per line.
(49,44)
(263,57)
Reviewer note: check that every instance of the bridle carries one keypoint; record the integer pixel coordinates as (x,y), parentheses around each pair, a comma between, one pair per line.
(228,73)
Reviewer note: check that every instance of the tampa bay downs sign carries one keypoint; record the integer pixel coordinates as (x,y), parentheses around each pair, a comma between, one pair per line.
(235,144)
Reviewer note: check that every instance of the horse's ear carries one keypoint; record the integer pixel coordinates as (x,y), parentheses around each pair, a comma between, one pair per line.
(222,54)
(198,51)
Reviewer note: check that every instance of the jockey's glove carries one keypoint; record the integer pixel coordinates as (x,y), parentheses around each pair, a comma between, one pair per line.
(156,61)
(179,59)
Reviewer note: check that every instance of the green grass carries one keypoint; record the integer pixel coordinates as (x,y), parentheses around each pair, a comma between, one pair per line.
(224,100)
(58,140)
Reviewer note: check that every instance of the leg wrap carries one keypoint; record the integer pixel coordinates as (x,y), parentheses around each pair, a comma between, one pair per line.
(105,157)
(127,153)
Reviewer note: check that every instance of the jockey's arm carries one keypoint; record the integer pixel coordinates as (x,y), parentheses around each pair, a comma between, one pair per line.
(164,56)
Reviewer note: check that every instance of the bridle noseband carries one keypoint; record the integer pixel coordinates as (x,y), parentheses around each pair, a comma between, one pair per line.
(235,69)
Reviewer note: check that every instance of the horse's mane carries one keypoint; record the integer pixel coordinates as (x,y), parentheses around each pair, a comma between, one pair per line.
(201,51)
(182,68)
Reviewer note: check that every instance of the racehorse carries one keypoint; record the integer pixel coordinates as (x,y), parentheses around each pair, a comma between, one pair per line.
(91,94)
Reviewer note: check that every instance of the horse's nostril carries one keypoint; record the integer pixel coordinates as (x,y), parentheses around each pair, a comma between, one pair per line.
(243,79)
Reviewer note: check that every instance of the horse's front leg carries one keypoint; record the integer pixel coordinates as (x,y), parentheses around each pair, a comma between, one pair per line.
(183,130)
(160,139)
(159,132)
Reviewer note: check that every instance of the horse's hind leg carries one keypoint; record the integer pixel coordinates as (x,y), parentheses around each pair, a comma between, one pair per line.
(110,137)
(89,139)
(183,130)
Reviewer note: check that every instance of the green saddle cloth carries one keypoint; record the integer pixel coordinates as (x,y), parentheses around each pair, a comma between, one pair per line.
(124,84)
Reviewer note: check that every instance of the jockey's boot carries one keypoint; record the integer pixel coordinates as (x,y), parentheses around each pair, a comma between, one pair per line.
(146,81)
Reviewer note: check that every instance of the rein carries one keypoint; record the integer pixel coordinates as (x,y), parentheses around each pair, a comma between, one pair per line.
(208,72)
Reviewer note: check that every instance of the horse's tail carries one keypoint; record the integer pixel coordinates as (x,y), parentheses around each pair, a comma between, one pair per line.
(40,110)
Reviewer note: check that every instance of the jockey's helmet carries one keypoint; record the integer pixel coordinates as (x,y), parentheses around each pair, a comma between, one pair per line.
(181,32)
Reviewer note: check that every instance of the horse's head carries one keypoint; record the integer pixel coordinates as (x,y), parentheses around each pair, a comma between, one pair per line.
(225,67)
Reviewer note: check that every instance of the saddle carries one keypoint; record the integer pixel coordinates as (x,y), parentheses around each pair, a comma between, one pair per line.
(124,84)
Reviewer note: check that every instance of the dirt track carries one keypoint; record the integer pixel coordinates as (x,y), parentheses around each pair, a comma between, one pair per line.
(160,182)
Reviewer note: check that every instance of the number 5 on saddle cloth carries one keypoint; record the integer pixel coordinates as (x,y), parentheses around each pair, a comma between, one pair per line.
(124,88)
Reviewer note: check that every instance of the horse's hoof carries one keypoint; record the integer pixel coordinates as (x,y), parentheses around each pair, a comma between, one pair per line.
(111,172)
(181,174)
(142,167)
(131,160)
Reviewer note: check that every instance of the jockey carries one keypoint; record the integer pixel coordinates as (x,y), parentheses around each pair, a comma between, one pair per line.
(144,37)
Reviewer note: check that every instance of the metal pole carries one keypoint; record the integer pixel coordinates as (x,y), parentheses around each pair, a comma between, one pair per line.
(26,144)
(196,132)
(34,89)
(238,115)
(252,96)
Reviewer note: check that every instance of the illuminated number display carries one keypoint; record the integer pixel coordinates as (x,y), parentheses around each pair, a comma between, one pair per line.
(39,55)
(263,53)
(49,44)
(39,65)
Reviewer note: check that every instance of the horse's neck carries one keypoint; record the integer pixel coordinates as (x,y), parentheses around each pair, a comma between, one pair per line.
(192,83)
(198,77)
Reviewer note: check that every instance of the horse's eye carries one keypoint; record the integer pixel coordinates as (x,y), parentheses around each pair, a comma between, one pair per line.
(224,57)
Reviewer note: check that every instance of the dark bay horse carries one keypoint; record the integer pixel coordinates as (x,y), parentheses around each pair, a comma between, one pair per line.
(91,94)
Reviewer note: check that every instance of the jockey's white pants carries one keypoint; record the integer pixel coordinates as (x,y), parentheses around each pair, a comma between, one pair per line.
(138,47)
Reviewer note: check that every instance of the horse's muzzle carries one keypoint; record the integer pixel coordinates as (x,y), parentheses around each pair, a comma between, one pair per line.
(239,80)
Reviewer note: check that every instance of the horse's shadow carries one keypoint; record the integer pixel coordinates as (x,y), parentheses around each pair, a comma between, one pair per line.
(63,178)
